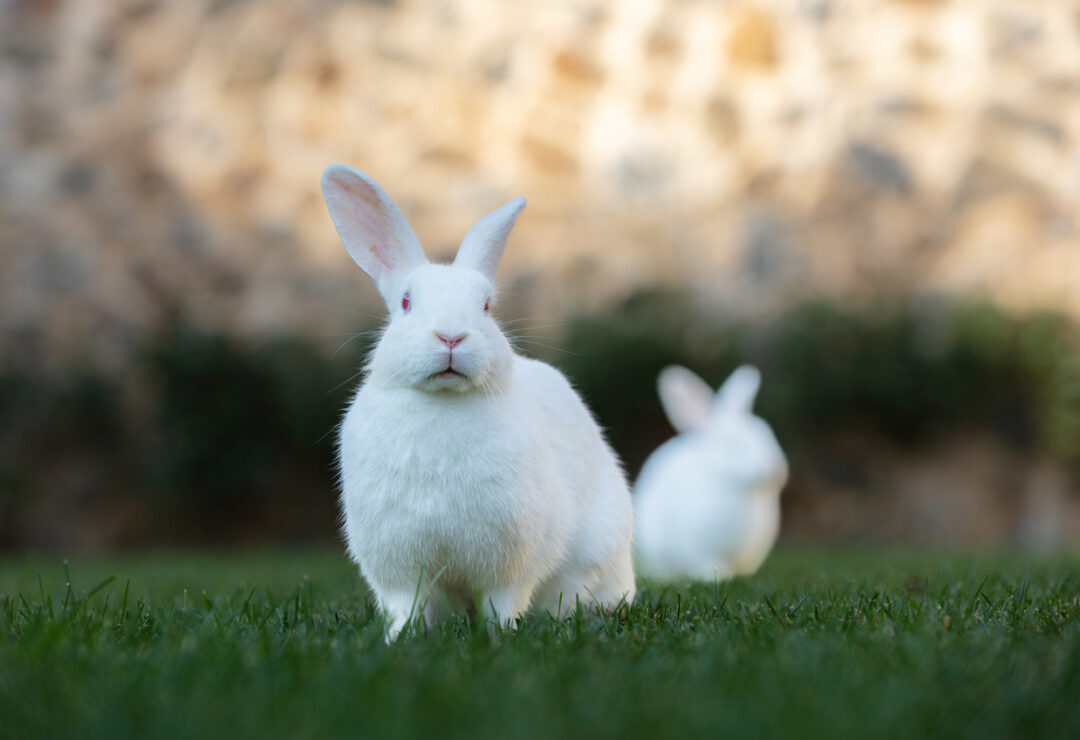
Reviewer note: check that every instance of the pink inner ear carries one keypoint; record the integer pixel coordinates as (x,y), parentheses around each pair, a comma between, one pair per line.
(693,411)
(368,219)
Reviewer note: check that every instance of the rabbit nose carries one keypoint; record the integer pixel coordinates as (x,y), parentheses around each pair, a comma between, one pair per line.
(451,342)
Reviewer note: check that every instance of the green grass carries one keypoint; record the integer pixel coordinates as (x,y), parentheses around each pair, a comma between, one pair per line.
(820,643)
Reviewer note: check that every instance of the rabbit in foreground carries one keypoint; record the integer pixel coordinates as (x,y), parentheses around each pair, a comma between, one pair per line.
(467,470)
(707,502)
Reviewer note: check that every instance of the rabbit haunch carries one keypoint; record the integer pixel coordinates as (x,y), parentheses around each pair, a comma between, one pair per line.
(465,468)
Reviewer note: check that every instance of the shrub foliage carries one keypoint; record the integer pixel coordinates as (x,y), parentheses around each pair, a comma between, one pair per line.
(209,436)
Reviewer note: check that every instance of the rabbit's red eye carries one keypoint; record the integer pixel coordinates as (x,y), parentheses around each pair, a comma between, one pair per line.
(487,305)
(405,303)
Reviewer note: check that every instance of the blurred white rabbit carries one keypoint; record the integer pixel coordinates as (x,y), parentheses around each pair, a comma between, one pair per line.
(467,470)
(707,502)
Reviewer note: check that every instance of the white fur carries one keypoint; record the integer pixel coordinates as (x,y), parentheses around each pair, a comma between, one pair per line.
(707,502)
(495,483)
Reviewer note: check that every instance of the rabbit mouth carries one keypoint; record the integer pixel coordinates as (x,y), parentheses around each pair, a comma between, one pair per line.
(449,373)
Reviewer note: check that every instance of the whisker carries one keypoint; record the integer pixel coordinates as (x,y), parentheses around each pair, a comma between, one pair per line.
(327,433)
(351,338)
(514,332)
(347,380)
(532,318)
(548,346)
(376,317)
(530,327)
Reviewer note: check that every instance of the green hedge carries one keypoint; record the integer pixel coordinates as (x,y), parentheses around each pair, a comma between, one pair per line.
(210,437)
(906,372)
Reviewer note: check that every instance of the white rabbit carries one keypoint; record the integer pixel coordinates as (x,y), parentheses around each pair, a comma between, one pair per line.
(707,502)
(467,469)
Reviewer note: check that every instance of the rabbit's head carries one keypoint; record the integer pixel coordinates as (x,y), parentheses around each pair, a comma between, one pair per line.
(441,336)
(741,445)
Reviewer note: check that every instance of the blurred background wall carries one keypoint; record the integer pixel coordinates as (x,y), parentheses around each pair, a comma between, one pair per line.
(876,201)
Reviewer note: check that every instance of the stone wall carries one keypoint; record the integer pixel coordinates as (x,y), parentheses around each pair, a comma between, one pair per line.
(164,152)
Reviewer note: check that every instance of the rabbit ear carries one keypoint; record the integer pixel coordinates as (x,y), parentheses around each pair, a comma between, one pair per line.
(738,392)
(371,226)
(483,246)
(686,398)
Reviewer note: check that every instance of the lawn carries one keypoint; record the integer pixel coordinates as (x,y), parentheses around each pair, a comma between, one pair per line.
(825,643)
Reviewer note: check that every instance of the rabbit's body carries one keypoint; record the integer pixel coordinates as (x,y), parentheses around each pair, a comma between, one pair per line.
(684,526)
(428,489)
(707,501)
(467,469)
